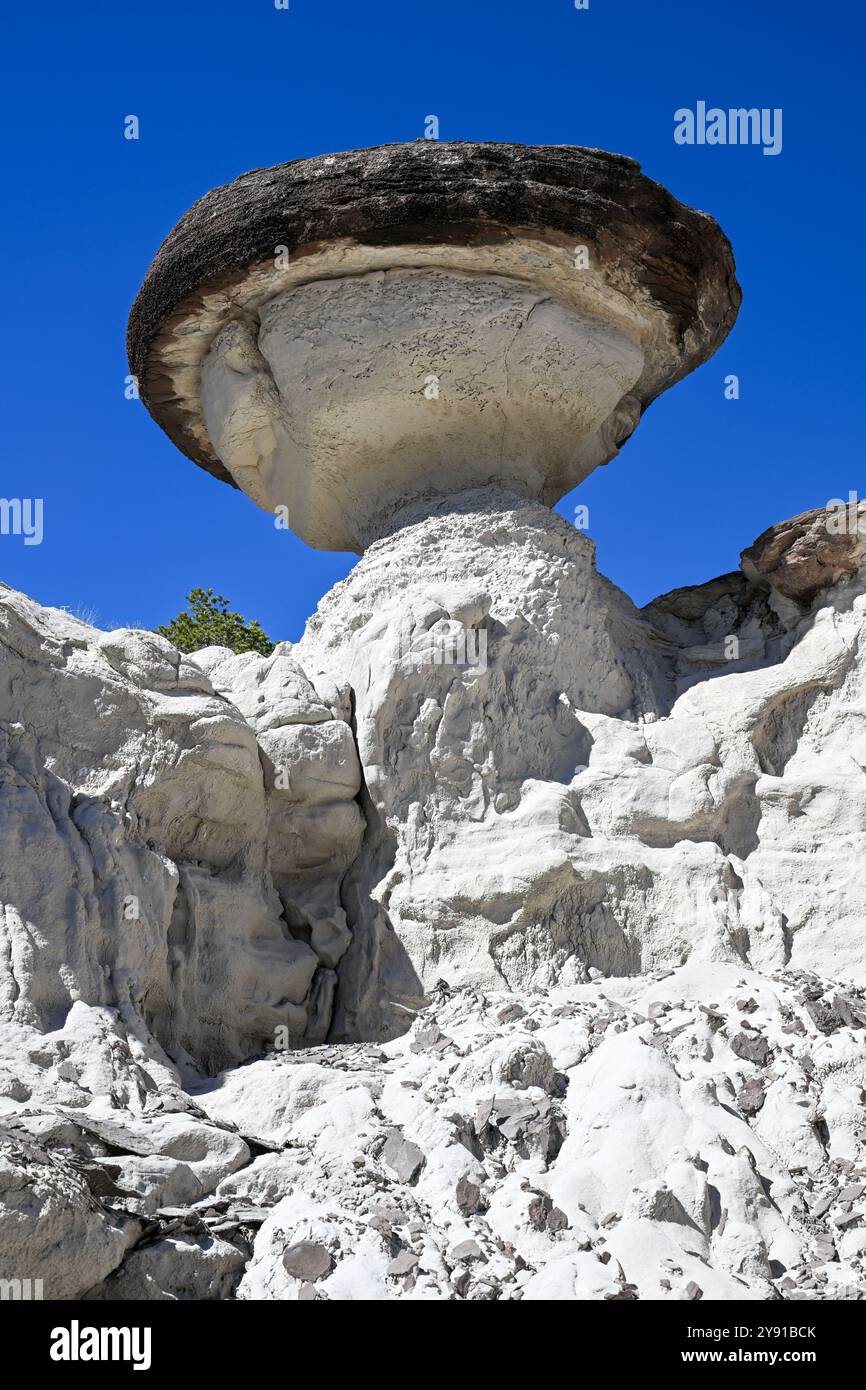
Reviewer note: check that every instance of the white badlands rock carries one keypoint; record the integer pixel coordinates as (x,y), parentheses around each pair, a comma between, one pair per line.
(656,1179)
(175,1269)
(433,316)
(605,1140)
(481,765)
(555,781)
(51,1226)
(138,870)
(462,950)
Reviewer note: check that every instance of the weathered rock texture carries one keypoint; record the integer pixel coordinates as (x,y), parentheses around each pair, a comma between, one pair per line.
(608,1140)
(143,864)
(343,334)
(535,921)
(812,552)
(481,765)
(611,788)
(219,846)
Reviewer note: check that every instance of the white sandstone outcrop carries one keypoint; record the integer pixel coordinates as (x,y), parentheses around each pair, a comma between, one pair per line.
(608,788)
(580,803)
(135,815)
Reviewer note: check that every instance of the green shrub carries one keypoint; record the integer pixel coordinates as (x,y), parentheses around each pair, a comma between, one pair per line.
(208,623)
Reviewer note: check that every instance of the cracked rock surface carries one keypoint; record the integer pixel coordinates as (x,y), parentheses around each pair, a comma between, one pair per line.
(362,971)
(594,1141)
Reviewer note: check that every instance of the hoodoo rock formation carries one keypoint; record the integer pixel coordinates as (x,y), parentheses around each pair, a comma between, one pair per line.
(498,939)
(543,296)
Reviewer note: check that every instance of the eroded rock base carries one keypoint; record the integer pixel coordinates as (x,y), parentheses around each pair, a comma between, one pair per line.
(553,905)
(691,1135)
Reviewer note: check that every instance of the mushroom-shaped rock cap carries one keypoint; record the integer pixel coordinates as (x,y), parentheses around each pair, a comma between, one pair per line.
(341,335)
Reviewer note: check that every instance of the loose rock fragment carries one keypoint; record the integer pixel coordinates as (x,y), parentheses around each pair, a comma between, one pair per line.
(753,1048)
(404,1158)
(307,1260)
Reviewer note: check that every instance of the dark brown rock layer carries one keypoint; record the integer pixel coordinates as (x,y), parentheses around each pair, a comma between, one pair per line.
(803,556)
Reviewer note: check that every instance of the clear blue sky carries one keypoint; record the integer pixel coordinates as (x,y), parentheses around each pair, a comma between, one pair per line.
(221,86)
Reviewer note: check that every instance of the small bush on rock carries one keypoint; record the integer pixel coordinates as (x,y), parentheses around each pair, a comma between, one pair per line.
(208,623)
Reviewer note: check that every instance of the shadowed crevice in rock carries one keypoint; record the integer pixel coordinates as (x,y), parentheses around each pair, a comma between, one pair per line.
(778,736)
(378,990)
